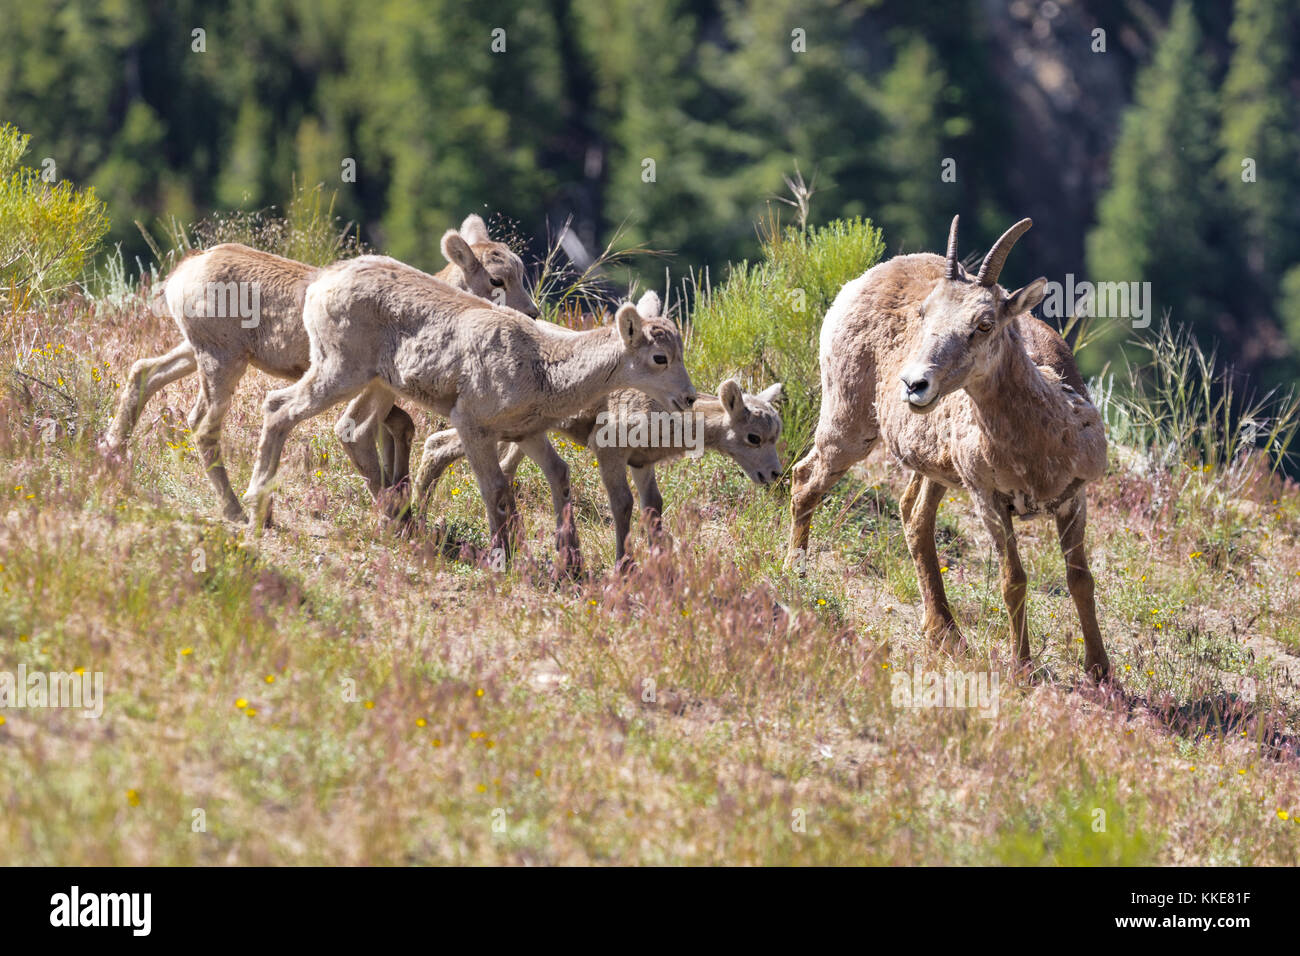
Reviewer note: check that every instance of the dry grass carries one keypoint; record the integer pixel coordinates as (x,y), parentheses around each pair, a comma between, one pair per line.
(706,708)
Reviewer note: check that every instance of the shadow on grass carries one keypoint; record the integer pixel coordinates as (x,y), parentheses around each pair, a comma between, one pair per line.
(1222,715)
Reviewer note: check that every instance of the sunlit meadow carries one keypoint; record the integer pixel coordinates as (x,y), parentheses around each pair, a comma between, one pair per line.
(340,690)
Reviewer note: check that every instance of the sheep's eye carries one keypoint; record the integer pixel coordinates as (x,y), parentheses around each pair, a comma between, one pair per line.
(497,283)
(661,359)
(753,439)
(986,326)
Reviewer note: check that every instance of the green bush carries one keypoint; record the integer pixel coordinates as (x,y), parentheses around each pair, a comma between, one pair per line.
(763,324)
(47,231)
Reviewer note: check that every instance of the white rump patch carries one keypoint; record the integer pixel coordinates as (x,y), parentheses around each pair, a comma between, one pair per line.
(843,304)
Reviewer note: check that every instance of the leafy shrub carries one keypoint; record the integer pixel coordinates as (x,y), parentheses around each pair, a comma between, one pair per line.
(763,324)
(47,231)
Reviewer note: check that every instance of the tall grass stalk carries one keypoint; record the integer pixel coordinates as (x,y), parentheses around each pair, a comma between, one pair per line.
(1182,410)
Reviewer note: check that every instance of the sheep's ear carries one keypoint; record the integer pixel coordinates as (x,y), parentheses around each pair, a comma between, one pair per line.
(733,399)
(773,395)
(649,306)
(457,251)
(629,324)
(1022,300)
(474,230)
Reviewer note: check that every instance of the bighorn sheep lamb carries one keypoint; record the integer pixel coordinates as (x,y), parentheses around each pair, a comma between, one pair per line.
(475,264)
(744,427)
(237,306)
(990,400)
(495,374)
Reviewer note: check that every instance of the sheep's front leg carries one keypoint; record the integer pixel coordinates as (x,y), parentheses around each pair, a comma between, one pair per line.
(512,456)
(613,474)
(652,503)
(316,391)
(395,439)
(1015,591)
(920,504)
(556,470)
(498,498)
(357,429)
(1070,526)
(440,450)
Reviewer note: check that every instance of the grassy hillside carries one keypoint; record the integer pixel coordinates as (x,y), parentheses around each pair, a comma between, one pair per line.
(332,692)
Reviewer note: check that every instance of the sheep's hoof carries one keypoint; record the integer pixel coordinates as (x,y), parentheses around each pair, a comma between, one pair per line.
(395,501)
(405,525)
(945,635)
(661,540)
(569,566)
(796,562)
(1023,669)
(568,553)
(1098,668)
(259,513)
(234,513)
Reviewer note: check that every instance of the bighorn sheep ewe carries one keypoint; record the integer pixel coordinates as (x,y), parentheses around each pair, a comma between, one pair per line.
(209,295)
(744,427)
(990,400)
(495,374)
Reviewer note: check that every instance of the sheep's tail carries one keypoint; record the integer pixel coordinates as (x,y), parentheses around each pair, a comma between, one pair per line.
(158,293)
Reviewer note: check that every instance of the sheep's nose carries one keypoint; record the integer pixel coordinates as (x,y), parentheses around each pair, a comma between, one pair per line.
(917,384)
(776,475)
(690,400)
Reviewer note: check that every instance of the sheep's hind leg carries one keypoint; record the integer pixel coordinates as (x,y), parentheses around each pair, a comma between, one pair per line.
(440,450)
(613,474)
(147,378)
(1070,528)
(813,477)
(512,456)
(357,428)
(217,390)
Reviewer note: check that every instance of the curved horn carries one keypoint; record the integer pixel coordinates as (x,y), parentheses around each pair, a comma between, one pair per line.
(991,267)
(951,271)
